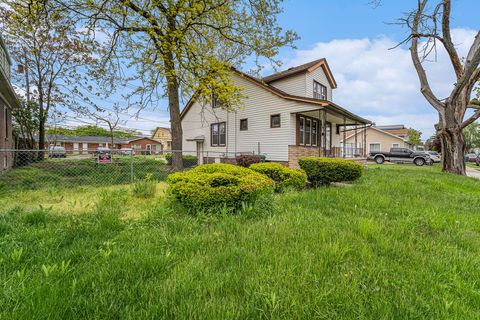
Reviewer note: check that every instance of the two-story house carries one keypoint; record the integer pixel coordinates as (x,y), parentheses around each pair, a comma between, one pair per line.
(8,101)
(284,116)
(163,135)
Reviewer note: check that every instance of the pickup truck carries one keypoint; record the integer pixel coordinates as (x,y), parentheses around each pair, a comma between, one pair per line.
(401,155)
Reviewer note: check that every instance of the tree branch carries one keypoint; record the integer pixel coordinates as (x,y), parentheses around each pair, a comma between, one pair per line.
(471,65)
(422,75)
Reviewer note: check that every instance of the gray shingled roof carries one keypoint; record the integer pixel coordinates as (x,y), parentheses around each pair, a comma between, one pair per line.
(291,71)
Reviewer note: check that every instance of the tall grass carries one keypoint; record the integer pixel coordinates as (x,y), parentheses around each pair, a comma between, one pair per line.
(402,243)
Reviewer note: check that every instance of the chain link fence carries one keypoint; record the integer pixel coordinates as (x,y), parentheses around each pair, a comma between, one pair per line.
(58,167)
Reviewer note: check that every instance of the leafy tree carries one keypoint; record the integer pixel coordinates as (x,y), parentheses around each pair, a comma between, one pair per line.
(25,124)
(433,143)
(180,48)
(472,136)
(55,54)
(91,131)
(112,118)
(429,26)
(414,136)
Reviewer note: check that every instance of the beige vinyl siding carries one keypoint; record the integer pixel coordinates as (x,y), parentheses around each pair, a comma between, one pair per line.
(258,106)
(385,140)
(294,85)
(319,76)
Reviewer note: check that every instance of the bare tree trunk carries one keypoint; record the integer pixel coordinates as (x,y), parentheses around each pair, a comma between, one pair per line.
(174,108)
(453,143)
(177,134)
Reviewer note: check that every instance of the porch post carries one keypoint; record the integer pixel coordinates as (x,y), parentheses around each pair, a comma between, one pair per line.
(324,135)
(365,141)
(319,132)
(344,136)
(356,145)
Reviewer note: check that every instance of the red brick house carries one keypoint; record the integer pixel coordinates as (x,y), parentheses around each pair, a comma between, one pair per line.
(144,144)
(8,101)
(85,144)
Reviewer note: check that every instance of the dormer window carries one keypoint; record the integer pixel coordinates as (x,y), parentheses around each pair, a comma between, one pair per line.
(319,91)
(215,102)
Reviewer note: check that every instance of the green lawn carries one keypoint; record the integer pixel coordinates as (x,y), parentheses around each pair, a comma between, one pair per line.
(82,172)
(401,243)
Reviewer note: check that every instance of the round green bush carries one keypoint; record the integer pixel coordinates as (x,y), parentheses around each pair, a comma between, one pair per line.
(284,177)
(213,186)
(322,171)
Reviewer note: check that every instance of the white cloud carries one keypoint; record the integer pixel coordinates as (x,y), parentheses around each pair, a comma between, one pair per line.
(380,83)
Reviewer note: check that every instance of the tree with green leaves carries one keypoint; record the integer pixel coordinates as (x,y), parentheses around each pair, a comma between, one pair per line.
(91,130)
(472,136)
(25,124)
(414,137)
(58,59)
(180,48)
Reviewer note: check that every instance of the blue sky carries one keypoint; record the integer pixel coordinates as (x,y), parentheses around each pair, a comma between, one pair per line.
(373,81)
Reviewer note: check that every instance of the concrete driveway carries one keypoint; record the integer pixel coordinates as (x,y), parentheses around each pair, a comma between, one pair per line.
(473,173)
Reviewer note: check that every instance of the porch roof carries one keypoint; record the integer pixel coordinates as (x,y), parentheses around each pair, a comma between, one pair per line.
(333,108)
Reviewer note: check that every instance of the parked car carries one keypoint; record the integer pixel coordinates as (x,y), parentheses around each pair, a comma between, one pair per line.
(470,157)
(101,150)
(401,155)
(126,151)
(57,152)
(435,156)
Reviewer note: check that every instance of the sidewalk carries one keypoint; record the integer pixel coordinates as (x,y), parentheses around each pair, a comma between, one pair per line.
(473,173)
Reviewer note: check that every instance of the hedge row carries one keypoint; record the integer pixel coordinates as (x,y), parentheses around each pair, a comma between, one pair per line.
(188,160)
(212,186)
(284,177)
(322,171)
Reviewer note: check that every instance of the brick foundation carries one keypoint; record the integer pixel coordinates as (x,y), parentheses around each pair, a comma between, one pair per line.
(295,152)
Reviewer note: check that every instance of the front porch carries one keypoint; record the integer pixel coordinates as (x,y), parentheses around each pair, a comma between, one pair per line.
(321,132)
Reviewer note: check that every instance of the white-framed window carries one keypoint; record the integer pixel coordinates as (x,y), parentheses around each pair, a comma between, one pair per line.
(396,145)
(319,91)
(374,147)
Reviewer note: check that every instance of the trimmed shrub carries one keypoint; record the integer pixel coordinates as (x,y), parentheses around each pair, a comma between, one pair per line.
(211,187)
(245,160)
(188,160)
(284,177)
(322,171)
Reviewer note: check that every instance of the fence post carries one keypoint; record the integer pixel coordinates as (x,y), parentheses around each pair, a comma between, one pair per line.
(131,166)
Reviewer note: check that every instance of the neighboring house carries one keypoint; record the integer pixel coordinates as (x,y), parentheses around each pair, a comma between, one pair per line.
(8,101)
(164,136)
(396,129)
(143,144)
(84,144)
(284,116)
(376,140)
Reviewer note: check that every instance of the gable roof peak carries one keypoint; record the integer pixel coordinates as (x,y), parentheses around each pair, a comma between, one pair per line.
(306,67)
